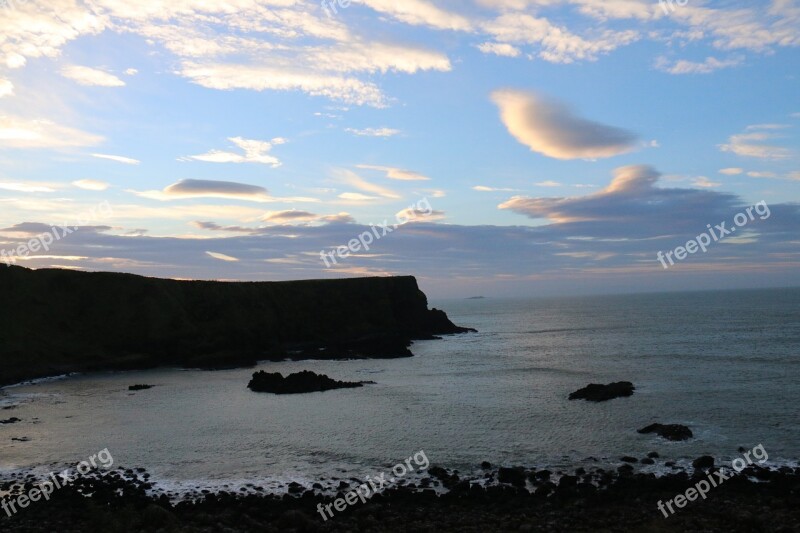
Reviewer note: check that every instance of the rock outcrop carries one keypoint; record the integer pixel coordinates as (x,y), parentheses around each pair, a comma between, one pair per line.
(601,393)
(298,383)
(57,321)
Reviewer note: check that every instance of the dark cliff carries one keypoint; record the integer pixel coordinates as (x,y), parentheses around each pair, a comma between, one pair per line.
(57,321)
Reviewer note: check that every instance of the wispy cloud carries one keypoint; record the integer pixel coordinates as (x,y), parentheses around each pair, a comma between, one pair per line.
(91,76)
(709,65)
(254,152)
(118,159)
(395,173)
(18,132)
(374,132)
(753,143)
(91,185)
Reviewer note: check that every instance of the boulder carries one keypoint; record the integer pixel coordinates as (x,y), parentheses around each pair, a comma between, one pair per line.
(669,431)
(600,393)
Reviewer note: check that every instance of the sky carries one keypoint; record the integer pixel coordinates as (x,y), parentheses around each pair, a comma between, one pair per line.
(488,147)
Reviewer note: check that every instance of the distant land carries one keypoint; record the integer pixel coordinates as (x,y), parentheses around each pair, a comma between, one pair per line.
(476,298)
(55,321)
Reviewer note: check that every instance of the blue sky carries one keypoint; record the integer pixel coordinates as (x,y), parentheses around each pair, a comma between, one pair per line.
(560,144)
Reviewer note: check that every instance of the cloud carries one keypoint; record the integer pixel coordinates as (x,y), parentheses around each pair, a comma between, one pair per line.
(705,183)
(711,64)
(762,174)
(483,188)
(91,76)
(732,171)
(548,183)
(420,13)
(557,44)
(18,132)
(753,144)
(191,188)
(374,132)
(356,197)
(25,186)
(399,174)
(225,77)
(254,152)
(131,72)
(499,49)
(118,159)
(222,257)
(91,185)
(552,129)
(6,88)
(352,179)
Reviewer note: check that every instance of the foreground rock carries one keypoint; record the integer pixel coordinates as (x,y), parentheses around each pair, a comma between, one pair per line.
(298,383)
(674,432)
(601,393)
(124,500)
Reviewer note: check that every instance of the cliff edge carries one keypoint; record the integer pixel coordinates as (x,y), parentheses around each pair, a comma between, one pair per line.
(58,321)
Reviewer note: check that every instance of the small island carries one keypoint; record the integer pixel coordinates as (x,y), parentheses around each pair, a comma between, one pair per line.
(602,393)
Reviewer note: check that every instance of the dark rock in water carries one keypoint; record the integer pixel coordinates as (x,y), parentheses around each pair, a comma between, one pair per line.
(140,387)
(512,476)
(648,461)
(669,431)
(21,439)
(297,383)
(704,462)
(486,465)
(629,459)
(600,393)
(12,420)
(653,455)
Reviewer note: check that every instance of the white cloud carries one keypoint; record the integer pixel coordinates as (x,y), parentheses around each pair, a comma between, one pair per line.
(6,88)
(732,171)
(25,187)
(483,188)
(753,144)
(18,132)
(548,183)
(709,65)
(356,196)
(118,159)
(91,185)
(222,257)
(374,132)
(705,183)
(556,43)
(420,13)
(254,152)
(552,129)
(131,72)
(499,49)
(762,174)
(397,173)
(352,179)
(223,76)
(91,76)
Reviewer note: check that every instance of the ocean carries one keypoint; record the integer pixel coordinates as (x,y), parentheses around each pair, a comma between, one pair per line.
(726,364)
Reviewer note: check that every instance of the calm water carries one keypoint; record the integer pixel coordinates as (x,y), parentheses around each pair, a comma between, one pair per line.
(727,364)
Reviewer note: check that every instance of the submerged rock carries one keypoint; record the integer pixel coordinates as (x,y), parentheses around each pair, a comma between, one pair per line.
(300,382)
(596,392)
(140,387)
(12,420)
(669,431)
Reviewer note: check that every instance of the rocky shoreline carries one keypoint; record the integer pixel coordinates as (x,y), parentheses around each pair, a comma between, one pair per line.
(506,499)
